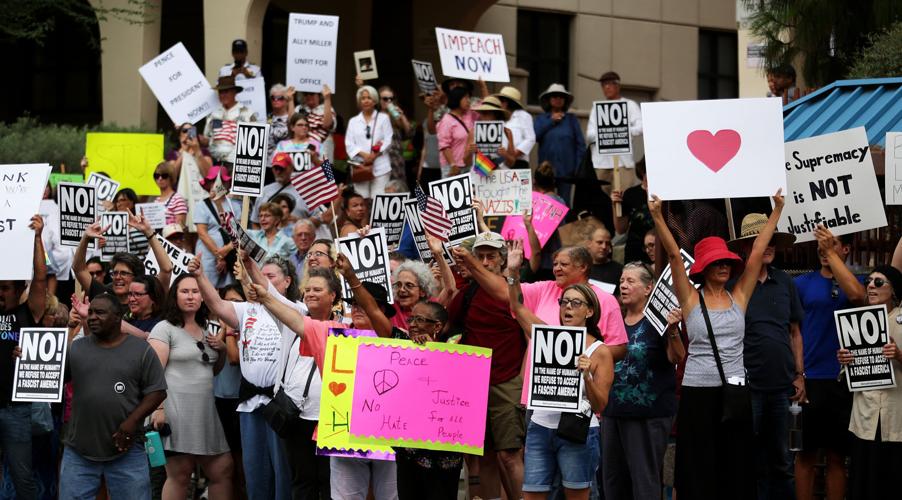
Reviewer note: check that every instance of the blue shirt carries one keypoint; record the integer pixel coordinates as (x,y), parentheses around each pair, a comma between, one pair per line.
(645,380)
(561,143)
(819,327)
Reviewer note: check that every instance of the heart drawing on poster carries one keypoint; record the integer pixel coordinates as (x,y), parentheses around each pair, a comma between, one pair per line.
(714,150)
(337,387)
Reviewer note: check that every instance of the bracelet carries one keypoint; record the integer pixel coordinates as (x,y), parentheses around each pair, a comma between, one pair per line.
(358,285)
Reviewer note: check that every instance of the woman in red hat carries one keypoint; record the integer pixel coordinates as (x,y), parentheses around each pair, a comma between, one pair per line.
(713,457)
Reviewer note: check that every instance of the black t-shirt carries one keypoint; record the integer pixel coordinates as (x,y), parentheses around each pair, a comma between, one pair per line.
(11,322)
(145,325)
(635,206)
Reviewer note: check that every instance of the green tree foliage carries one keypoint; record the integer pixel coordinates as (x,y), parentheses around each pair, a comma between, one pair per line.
(33,20)
(882,58)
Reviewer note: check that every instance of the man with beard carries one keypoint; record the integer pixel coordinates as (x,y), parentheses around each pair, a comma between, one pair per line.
(117,381)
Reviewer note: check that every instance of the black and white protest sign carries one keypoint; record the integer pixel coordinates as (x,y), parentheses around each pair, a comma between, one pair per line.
(78,210)
(246,243)
(864,332)
(39,372)
(179,258)
(154,214)
(425,76)
(388,213)
(368,256)
(115,225)
(412,219)
(663,298)
(613,131)
(301,159)
(106,187)
(250,158)
(488,135)
(456,195)
(554,382)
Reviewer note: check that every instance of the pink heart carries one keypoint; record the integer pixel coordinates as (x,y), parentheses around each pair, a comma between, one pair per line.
(716,150)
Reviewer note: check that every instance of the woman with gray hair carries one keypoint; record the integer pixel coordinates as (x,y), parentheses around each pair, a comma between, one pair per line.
(281,99)
(412,282)
(367,141)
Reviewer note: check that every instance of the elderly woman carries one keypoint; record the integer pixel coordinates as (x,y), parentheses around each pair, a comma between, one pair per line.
(413,282)
(714,458)
(401,130)
(367,141)
(281,100)
(560,136)
(176,206)
(270,236)
(453,132)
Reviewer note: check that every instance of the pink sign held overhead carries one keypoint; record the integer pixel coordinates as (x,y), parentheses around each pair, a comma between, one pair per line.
(547,215)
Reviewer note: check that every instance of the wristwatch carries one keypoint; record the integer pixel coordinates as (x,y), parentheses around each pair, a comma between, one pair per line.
(511,281)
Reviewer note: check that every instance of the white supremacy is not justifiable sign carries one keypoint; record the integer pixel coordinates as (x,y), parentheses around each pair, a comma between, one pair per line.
(179,85)
(832,182)
(465,54)
(312,45)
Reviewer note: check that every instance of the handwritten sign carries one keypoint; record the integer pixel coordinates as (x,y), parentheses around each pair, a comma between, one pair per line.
(78,210)
(310,58)
(128,158)
(179,258)
(663,297)
(470,55)
(456,195)
(504,192)
(253,96)
(547,215)
(250,158)
(425,76)
(863,331)
(116,234)
(368,256)
(106,187)
(433,397)
(488,135)
(831,181)
(388,214)
(22,187)
(612,128)
(892,177)
(38,375)
(554,381)
(412,218)
(365,60)
(179,86)
(154,213)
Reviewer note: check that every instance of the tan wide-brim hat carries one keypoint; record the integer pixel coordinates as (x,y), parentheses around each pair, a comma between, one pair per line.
(227,83)
(553,90)
(752,224)
(491,103)
(511,93)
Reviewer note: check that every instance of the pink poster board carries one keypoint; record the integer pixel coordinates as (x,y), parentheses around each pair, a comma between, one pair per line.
(431,396)
(547,215)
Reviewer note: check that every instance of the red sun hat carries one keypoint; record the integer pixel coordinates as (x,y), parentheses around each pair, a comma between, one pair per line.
(710,250)
(283,159)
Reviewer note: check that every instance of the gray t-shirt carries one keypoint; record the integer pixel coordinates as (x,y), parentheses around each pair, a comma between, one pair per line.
(107,386)
(728,326)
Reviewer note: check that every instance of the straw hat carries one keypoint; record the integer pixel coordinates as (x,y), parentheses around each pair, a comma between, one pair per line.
(491,103)
(752,224)
(553,90)
(512,94)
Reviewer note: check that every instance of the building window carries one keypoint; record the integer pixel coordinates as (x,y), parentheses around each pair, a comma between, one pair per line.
(543,49)
(718,65)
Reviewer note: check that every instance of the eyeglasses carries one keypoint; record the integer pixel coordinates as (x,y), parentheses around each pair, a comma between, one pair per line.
(878,282)
(277,97)
(420,319)
(121,274)
(204,356)
(160,176)
(368,132)
(834,293)
(136,295)
(184,130)
(571,303)
(406,286)
(317,253)
(388,98)
(302,124)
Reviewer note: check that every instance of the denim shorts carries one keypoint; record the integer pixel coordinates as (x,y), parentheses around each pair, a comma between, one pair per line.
(547,454)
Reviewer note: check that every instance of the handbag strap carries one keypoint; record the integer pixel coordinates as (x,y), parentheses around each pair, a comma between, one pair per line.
(461,122)
(701,302)
(309,375)
(222,232)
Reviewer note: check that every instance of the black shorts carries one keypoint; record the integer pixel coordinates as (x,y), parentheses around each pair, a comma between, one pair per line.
(825,418)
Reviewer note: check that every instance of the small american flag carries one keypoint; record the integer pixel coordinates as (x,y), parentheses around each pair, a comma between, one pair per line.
(316,186)
(227,132)
(432,213)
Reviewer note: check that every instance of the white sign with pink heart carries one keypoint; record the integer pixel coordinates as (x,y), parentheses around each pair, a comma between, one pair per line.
(727,148)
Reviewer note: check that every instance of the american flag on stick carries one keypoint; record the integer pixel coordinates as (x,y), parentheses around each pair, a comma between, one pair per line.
(316,185)
(227,132)
(432,213)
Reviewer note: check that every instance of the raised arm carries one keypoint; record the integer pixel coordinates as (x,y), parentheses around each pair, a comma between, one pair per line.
(598,375)
(492,283)
(282,312)
(140,223)
(364,299)
(37,292)
(80,259)
(685,292)
(449,284)
(524,316)
(221,308)
(535,260)
(480,216)
(827,245)
(745,286)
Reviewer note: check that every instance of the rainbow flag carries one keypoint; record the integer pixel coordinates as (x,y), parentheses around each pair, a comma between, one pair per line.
(483,165)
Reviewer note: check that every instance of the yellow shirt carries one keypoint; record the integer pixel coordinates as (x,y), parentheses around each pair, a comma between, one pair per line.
(881,405)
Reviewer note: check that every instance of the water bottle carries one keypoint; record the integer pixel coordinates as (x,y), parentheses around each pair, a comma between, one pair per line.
(154,449)
(795,427)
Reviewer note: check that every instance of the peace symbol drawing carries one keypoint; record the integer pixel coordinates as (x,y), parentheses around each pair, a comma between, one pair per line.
(384,381)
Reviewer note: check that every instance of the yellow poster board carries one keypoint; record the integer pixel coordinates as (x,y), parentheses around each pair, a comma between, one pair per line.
(129,159)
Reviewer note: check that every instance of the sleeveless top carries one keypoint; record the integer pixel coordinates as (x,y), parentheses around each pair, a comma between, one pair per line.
(729,331)
(551,419)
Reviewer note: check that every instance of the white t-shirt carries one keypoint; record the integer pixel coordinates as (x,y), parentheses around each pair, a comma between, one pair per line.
(607,161)
(299,370)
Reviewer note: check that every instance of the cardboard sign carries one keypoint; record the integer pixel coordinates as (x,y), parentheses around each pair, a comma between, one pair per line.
(613,128)
(720,148)
(129,158)
(246,243)
(250,158)
(253,96)
(547,215)
(864,331)
(368,256)
(504,192)
(179,85)
(412,219)
(470,55)
(56,178)
(388,214)
(425,75)
(488,135)
(106,187)
(22,187)
(365,61)
(831,182)
(433,397)
(456,195)
(78,210)
(116,234)
(310,59)
(663,298)
(179,258)
(154,213)
(554,381)
(38,375)
(892,177)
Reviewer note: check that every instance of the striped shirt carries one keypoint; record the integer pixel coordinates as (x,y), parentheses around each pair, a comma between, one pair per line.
(175,205)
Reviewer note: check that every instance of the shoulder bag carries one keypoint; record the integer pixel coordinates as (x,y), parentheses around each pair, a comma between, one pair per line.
(361,172)
(281,410)
(737,400)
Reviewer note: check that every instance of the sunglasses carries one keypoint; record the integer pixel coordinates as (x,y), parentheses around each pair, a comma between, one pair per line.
(184,130)
(160,176)
(878,282)
(277,98)
(834,293)
(368,132)
(722,263)
(571,303)
(96,273)
(388,99)
(203,350)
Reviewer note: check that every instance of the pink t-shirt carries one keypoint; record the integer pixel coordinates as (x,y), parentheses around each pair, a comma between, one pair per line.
(453,135)
(314,341)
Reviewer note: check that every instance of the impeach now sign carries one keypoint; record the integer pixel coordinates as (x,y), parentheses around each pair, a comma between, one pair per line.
(465,54)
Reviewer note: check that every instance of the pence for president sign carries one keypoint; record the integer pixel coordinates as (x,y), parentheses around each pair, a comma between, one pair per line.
(727,148)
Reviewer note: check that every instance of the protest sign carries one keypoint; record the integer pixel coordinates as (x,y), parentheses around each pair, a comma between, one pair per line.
(719,148)
(412,219)
(831,181)
(864,332)
(154,213)
(554,381)
(179,85)
(432,397)
(456,195)
(310,58)
(250,158)
(388,214)
(115,225)
(38,375)
(488,135)
(301,159)
(613,128)
(22,187)
(106,187)
(179,258)
(246,243)
(504,192)
(547,215)
(253,96)
(339,367)
(129,158)
(425,75)
(663,297)
(365,60)
(470,55)
(56,178)
(892,177)
(78,210)
(368,256)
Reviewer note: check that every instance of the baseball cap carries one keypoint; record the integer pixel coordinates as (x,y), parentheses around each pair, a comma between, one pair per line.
(489,239)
